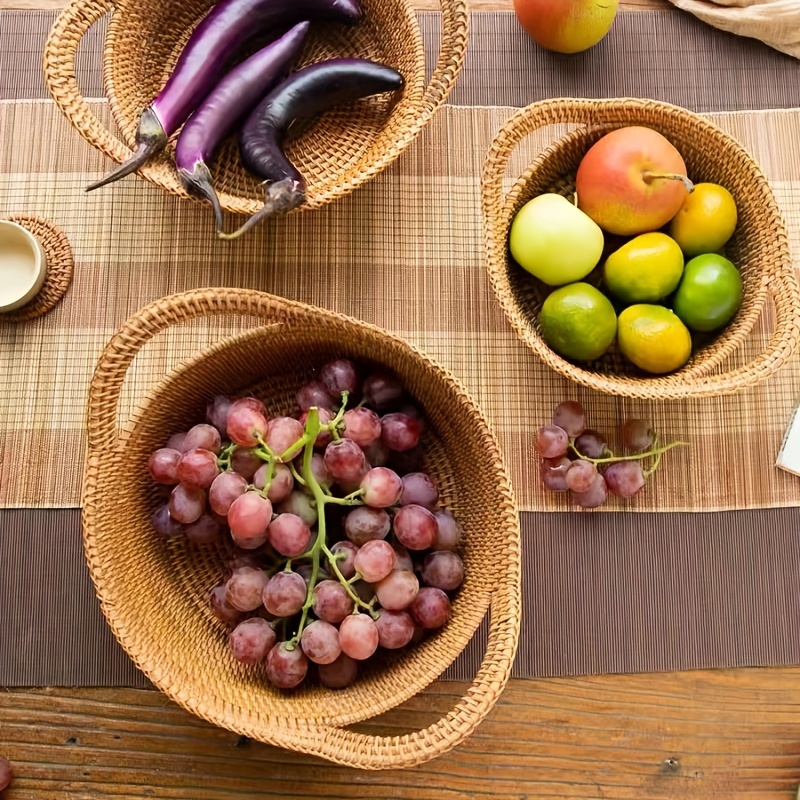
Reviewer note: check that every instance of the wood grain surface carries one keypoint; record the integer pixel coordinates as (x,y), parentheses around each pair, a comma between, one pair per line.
(709,735)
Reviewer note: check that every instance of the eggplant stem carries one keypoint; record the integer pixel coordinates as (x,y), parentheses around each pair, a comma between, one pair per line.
(199,183)
(279,198)
(150,139)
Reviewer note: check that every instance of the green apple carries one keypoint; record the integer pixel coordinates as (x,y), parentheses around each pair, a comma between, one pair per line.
(555,241)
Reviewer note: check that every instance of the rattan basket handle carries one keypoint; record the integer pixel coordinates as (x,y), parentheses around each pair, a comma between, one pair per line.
(455,32)
(394,752)
(152,319)
(59,68)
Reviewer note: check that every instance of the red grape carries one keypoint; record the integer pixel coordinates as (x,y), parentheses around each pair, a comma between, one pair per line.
(163,465)
(305,568)
(245,463)
(320,471)
(245,588)
(419,490)
(363,524)
(591,444)
(571,417)
(397,590)
(345,461)
(177,442)
(448,533)
(637,435)
(431,608)
(251,640)
(375,560)
(227,486)
(286,668)
(248,518)
(362,426)
(400,431)
(402,558)
(331,601)
(443,570)
(395,629)
(203,437)
(339,673)
(282,434)
(252,403)
(186,504)
(554,473)
(197,468)
(407,461)
(346,564)
(285,594)
(339,376)
(164,523)
(245,426)
(415,527)
(625,478)
(382,487)
(551,441)
(302,505)
(358,636)
(217,413)
(314,394)
(320,642)
(581,476)
(204,531)
(5,774)
(289,535)
(595,496)
(217,600)
(377,453)
(381,389)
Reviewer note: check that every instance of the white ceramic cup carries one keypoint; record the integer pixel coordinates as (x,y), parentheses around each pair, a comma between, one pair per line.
(23,266)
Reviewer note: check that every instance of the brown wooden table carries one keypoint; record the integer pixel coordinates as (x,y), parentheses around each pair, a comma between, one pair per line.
(713,734)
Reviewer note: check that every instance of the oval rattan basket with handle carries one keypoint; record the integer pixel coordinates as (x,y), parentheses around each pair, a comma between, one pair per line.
(154,592)
(339,152)
(759,246)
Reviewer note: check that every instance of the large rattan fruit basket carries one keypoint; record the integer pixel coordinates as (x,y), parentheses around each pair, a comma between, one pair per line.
(759,246)
(342,150)
(154,592)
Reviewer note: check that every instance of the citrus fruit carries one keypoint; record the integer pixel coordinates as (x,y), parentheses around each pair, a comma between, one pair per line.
(645,269)
(706,220)
(653,338)
(709,293)
(578,322)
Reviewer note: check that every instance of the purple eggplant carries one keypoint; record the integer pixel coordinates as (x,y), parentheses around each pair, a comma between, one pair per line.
(229,103)
(303,95)
(226,28)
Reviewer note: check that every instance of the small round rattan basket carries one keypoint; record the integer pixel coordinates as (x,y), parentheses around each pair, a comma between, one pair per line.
(154,593)
(340,151)
(759,246)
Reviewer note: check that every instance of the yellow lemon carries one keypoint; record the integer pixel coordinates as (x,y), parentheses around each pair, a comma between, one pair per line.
(578,322)
(706,220)
(645,269)
(653,338)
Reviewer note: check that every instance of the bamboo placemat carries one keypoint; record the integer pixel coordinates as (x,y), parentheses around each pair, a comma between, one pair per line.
(603,592)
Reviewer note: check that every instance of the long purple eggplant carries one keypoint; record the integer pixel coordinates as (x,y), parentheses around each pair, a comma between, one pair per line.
(229,103)
(304,94)
(227,27)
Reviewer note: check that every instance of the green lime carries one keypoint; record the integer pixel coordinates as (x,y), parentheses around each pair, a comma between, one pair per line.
(645,269)
(709,294)
(653,338)
(578,322)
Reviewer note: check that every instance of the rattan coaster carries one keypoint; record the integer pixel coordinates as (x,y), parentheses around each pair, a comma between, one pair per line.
(59,268)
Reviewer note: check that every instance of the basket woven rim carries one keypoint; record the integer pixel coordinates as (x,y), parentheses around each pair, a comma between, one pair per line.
(779,279)
(171,686)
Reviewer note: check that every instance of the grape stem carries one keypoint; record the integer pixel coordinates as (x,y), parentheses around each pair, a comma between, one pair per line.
(225,456)
(656,451)
(333,425)
(295,474)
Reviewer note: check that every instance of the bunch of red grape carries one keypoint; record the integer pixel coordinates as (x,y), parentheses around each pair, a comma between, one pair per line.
(339,547)
(579,461)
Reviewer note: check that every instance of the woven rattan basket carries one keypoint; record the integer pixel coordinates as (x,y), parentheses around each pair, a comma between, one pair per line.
(342,150)
(153,592)
(759,246)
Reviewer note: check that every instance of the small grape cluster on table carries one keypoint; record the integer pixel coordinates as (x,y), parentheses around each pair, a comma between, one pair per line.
(340,543)
(578,460)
